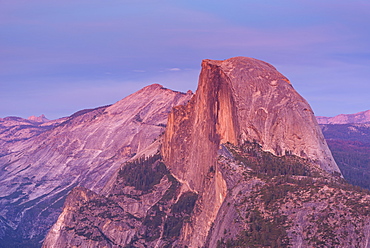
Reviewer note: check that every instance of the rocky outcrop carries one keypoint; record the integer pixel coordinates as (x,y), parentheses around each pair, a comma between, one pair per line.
(85,149)
(39,119)
(361,117)
(237,100)
(146,207)
(245,99)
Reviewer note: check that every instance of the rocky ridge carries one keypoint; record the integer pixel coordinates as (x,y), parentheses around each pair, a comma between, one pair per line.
(39,119)
(13,129)
(85,149)
(360,117)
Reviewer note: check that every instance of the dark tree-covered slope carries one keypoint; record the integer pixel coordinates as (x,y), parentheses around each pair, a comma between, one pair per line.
(350,146)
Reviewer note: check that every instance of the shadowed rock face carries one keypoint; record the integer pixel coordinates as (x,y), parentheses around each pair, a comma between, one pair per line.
(237,100)
(85,149)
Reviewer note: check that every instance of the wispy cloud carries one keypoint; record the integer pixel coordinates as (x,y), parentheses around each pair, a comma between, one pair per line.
(71,43)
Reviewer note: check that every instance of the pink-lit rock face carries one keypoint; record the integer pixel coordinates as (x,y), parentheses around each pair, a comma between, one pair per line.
(237,100)
(84,149)
(242,99)
(361,117)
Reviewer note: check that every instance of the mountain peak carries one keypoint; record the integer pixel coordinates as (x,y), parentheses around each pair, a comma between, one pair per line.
(245,99)
(42,163)
(238,100)
(254,68)
(40,119)
(153,87)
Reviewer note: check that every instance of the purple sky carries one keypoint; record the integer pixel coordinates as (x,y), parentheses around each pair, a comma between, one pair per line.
(58,57)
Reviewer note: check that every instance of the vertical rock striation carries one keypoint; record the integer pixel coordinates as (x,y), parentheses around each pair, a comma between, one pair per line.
(237,100)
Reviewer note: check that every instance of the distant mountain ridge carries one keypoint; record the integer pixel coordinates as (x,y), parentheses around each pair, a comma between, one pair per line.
(348,137)
(360,117)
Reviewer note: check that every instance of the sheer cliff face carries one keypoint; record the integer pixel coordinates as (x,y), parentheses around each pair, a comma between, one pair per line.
(243,99)
(237,100)
(86,149)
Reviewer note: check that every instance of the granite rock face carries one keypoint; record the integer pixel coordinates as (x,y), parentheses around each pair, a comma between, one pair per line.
(244,99)
(145,207)
(237,100)
(86,149)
